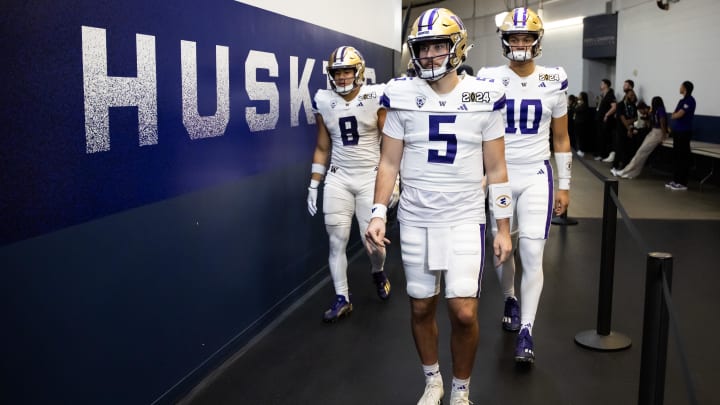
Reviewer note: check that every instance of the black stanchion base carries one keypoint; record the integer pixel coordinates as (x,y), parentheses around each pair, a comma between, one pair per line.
(563,220)
(590,339)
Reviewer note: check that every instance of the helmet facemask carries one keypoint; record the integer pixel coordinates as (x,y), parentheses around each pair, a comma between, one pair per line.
(433,26)
(432,73)
(521,21)
(346,57)
(521,53)
(350,86)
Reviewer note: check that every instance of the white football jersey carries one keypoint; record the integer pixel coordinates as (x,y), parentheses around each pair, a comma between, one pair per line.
(531,103)
(352,125)
(443,134)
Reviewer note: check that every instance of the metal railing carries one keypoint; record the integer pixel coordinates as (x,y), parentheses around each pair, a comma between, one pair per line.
(659,311)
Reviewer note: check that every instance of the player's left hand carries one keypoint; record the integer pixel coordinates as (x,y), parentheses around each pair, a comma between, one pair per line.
(562,200)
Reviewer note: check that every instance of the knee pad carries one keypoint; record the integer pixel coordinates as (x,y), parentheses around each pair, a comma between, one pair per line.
(419,290)
(531,254)
(462,288)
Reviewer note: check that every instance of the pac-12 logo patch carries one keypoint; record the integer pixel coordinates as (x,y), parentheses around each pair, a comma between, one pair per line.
(420,101)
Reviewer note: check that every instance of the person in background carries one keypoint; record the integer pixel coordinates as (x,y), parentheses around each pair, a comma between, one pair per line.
(572,104)
(536,104)
(681,126)
(658,133)
(441,130)
(605,122)
(626,116)
(583,125)
(349,119)
(628,85)
(641,126)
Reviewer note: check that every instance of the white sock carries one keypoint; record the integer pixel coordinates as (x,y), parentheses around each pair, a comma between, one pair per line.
(431,371)
(460,385)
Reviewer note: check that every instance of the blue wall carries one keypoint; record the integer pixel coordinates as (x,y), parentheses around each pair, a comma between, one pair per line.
(129,272)
(706,128)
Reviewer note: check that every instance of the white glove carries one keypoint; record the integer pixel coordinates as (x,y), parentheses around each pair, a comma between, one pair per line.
(312,200)
(395,196)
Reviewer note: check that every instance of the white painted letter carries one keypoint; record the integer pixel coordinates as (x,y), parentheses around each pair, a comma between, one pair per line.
(300,92)
(103,91)
(370,75)
(261,91)
(214,125)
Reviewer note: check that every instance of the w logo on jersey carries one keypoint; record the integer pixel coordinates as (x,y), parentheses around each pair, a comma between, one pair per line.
(503,201)
(420,101)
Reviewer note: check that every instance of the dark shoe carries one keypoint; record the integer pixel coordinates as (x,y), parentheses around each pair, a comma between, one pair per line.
(340,308)
(524,352)
(511,316)
(382,284)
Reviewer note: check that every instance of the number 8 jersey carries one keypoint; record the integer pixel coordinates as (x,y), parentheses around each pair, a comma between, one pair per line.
(352,125)
(531,104)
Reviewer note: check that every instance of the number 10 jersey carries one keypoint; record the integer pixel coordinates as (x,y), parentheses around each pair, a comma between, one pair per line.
(531,103)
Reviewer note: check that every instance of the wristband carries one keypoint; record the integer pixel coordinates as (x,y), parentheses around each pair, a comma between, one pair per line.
(563,160)
(314,183)
(318,168)
(379,211)
(500,198)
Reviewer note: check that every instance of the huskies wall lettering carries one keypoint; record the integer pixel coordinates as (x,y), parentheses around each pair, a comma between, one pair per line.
(160,86)
(153,175)
(103,92)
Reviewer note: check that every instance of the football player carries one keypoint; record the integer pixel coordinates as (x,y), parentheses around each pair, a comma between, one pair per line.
(536,103)
(349,120)
(439,131)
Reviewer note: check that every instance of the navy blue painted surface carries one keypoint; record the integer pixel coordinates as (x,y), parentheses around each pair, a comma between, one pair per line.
(49,181)
(706,128)
(125,271)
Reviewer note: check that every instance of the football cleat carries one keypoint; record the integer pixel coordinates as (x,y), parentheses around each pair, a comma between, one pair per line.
(460,398)
(383,285)
(339,308)
(524,348)
(433,393)
(511,316)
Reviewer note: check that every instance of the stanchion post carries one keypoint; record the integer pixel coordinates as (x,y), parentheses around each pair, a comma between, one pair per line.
(563,220)
(607,259)
(602,338)
(655,330)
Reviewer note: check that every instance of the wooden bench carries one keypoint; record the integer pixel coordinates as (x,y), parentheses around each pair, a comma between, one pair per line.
(708,149)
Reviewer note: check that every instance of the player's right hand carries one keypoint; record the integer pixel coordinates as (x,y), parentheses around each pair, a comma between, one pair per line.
(312,200)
